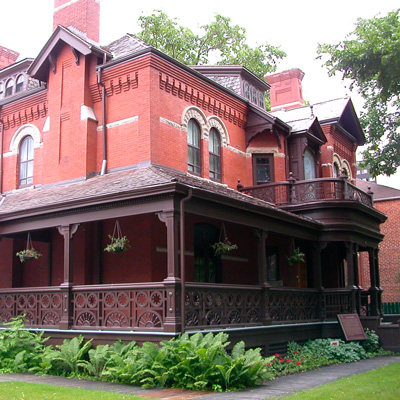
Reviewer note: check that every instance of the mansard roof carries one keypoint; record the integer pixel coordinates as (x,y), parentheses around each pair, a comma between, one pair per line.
(77,40)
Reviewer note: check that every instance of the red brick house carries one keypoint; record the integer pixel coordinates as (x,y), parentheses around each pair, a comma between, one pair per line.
(178,158)
(387,201)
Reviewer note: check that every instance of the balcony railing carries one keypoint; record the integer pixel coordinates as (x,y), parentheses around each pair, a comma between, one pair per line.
(301,192)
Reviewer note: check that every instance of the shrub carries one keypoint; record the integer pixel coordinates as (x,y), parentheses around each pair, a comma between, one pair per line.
(20,349)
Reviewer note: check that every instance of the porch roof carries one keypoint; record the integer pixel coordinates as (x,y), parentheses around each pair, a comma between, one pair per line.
(121,185)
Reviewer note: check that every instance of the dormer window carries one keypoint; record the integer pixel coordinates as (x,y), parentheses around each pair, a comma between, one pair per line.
(1,90)
(20,84)
(9,87)
(261,100)
(253,95)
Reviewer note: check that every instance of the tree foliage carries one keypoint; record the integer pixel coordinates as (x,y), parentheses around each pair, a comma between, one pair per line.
(370,58)
(219,38)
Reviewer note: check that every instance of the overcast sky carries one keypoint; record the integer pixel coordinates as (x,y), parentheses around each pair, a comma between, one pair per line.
(296,26)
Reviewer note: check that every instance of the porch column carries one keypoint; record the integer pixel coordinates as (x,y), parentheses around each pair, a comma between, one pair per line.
(374,290)
(317,248)
(68,232)
(172,282)
(261,236)
(351,276)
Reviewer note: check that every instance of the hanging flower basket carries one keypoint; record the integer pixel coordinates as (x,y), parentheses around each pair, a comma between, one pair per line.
(119,243)
(28,254)
(224,246)
(296,257)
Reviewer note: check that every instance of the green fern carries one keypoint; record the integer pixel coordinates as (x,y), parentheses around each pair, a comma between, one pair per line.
(70,356)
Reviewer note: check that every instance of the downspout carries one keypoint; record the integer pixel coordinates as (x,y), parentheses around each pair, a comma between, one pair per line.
(1,155)
(182,248)
(103,114)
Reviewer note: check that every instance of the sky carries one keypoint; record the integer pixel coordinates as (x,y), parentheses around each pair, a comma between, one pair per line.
(296,26)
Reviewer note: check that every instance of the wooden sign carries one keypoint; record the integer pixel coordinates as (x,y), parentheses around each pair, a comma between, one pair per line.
(351,327)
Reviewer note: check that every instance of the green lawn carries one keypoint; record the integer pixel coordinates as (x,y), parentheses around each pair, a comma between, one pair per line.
(37,391)
(382,383)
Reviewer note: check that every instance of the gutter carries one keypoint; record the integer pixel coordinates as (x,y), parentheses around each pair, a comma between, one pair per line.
(1,155)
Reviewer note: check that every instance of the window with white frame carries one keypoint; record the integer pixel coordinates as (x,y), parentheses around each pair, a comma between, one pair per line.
(214,146)
(193,141)
(26,154)
(9,88)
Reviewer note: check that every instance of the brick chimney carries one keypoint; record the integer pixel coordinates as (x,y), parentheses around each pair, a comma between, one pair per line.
(83,15)
(286,89)
(7,57)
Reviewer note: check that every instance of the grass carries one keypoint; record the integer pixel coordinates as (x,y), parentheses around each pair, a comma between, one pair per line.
(381,383)
(38,391)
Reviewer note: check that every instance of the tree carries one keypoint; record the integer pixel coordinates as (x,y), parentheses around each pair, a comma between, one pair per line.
(370,58)
(219,38)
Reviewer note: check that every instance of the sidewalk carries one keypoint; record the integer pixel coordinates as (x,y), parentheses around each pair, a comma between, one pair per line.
(277,388)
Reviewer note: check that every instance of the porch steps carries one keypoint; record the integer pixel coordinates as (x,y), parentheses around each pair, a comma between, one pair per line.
(175,394)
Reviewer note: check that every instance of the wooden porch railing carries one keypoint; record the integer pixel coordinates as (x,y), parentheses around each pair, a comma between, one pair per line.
(145,306)
(298,192)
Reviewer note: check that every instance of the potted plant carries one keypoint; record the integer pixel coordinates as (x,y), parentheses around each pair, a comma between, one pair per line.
(29,253)
(296,257)
(223,247)
(118,243)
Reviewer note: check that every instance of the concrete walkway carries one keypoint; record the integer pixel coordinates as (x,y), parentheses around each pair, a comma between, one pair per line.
(280,387)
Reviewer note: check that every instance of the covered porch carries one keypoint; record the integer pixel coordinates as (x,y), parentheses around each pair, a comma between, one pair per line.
(170,281)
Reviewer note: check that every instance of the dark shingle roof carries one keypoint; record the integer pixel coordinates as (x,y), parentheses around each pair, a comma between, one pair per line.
(116,186)
(381,192)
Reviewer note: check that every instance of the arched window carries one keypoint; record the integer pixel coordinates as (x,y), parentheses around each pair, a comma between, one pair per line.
(214,146)
(193,140)
(26,153)
(1,90)
(309,165)
(9,87)
(336,170)
(20,84)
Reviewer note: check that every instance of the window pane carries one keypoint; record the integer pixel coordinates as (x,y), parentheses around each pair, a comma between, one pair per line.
(263,170)
(20,84)
(9,87)
(309,165)
(215,154)
(193,140)
(26,161)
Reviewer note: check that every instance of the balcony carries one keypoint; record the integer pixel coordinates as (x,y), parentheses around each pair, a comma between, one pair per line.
(292,192)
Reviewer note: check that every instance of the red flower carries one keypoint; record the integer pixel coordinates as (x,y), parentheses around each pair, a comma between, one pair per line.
(298,363)
(288,360)
(281,361)
(277,355)
(295,352)
(268,365)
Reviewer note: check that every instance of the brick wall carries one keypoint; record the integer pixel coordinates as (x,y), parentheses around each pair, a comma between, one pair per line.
(389,254)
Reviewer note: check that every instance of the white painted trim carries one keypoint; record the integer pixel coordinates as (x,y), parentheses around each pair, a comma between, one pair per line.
(119,123)
(87,113)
